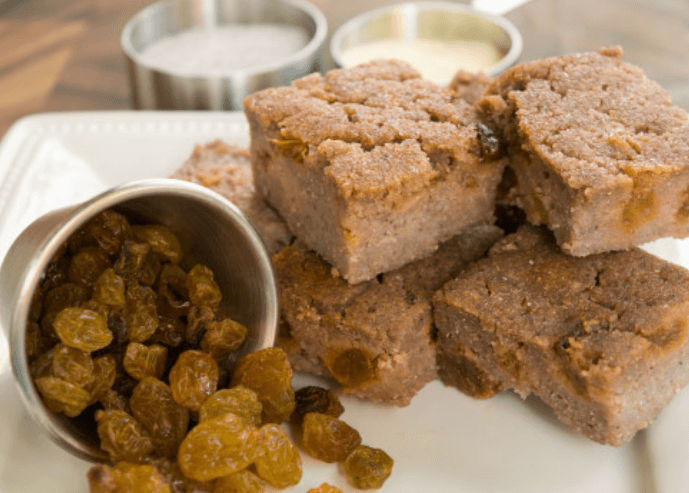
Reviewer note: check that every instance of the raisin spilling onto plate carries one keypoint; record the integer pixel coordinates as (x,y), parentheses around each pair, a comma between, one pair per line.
(325,488)
(269,374)
(237,400)
(126,477)
(328,438)
(243,481)
(122,436)
(278,461)
(119,324)
(222,338)
(313,399)
(155,408)
(217,447)
(368,468)
(193,378)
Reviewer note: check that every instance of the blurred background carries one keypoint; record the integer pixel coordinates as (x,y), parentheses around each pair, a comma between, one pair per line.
(60,55)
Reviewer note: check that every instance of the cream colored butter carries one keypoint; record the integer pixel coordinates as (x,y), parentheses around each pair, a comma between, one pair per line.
(436,60)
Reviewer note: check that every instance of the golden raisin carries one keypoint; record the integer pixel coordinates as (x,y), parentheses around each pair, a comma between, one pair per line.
(167,422)
(73,365)
(140,314)
(237,400)
(122,436)
(109,289)
(279,408)
(203,290)
(104,374)
(217,447)
(197,320)
(151,270)
(328,438)
(368,468)
(170,332)
(221,338)
(56,272)
(278,461)
(64,296)
(325,488)
(94,306)
(112,399)
(179,483)
(243,481)
(193,378)
(87,265)
(126,477)
(83,329)
(131,263)
(173,296)
(268,373)
(161,240)
(142,361)
(313,399)
(108,230)
(63,397)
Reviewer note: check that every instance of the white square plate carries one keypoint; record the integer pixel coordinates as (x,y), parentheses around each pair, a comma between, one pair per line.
(444,442)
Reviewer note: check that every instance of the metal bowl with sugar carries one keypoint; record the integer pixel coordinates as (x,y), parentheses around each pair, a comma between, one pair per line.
(212,231)
(437,38)
(209,55)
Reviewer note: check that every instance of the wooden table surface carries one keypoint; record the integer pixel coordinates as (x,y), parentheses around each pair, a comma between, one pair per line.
(58,55)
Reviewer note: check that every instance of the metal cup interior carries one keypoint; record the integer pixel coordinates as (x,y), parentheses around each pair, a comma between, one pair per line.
(441,21)
(152,88)
(212,231)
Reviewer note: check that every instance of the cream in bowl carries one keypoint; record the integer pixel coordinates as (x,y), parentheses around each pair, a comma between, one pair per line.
(436,38)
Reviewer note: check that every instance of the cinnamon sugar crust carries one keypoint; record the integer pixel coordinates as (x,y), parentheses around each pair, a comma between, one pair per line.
(371,166)
(600,154)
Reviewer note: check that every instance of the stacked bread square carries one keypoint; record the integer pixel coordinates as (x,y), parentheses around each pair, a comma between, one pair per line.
(391,186)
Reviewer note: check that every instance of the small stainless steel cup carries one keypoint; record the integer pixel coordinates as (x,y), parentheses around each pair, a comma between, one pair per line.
(212,231)
(152,88)
(441,21)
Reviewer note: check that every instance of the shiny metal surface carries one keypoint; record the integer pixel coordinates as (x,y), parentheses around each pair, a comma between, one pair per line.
(442,21)
(155,89)
(212,231)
